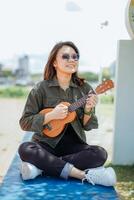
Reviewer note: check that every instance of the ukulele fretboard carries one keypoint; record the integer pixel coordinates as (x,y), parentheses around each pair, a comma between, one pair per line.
(74,106)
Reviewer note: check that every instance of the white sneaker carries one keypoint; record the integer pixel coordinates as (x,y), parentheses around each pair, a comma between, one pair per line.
(101,176)
(29,171)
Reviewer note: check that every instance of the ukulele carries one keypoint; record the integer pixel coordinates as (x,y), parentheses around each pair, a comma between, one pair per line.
(55,127)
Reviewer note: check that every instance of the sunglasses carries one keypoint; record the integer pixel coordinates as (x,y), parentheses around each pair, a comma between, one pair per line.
(67,57)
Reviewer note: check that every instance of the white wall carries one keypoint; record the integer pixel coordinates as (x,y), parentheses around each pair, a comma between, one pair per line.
(123,141)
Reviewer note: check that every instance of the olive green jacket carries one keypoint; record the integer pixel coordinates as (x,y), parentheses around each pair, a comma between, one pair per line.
(46,94)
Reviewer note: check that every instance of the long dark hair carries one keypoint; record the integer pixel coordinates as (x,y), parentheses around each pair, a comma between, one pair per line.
(50,72)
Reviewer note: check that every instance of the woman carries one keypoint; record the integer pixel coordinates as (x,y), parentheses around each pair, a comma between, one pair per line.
(67,154)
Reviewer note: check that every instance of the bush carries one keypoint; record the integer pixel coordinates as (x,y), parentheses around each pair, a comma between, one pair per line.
(14,92)
(107,99)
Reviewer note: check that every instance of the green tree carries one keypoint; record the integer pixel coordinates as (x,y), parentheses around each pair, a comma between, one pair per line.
(7,73)
(89,76)
(106,73)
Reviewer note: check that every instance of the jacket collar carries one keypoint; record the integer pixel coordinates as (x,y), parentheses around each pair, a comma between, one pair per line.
(54,82)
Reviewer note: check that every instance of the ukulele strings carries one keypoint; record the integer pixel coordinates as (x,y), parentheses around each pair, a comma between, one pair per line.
(80,102)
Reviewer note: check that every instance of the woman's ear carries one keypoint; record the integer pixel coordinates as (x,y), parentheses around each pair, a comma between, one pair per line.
(54,64)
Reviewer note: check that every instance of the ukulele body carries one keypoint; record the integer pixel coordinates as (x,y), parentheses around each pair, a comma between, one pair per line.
(55,127)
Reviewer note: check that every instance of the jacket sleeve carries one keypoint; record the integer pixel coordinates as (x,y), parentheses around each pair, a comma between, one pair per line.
(92,123)
(31,119)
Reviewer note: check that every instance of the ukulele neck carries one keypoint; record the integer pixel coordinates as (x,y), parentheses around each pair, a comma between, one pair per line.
(100,89)
(74,106)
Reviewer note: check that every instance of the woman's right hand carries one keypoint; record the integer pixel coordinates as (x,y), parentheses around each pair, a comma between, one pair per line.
(60,111)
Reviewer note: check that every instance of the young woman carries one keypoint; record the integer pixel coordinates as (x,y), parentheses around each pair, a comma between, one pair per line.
(67,154)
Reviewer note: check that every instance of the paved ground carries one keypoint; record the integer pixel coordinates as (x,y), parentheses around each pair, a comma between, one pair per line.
(11,134)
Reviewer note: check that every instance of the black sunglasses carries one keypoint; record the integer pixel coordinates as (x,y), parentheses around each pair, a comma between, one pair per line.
(67,57)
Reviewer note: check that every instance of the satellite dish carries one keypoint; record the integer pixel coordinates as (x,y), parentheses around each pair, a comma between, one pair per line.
(129,18)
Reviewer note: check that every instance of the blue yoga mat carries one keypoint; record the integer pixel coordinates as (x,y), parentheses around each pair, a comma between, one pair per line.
(14,188)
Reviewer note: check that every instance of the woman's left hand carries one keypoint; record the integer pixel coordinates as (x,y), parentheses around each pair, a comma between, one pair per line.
(91,102)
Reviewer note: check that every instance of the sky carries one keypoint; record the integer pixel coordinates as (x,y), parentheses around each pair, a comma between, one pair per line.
(35,26)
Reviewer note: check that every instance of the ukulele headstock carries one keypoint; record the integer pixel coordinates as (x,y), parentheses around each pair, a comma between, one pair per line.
(104,86)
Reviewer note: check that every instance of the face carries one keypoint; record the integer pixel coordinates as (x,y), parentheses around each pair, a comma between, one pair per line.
(66,60)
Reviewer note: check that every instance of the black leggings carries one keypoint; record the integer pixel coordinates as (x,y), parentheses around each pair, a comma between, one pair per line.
(53,161)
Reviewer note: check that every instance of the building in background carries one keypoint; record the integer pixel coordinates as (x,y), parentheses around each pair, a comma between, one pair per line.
(23,76)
